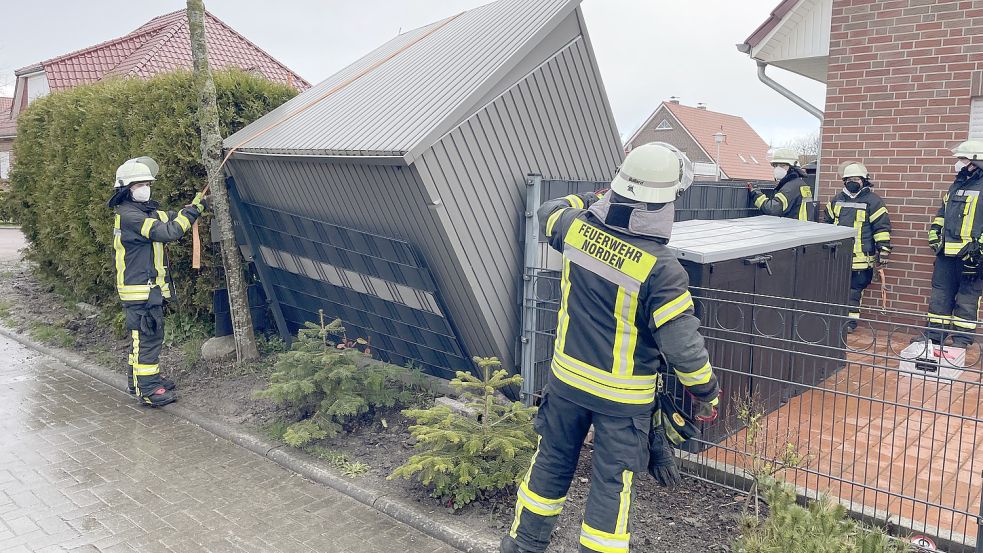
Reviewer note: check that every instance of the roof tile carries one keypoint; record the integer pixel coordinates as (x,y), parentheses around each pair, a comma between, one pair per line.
(160,45)
(743,155)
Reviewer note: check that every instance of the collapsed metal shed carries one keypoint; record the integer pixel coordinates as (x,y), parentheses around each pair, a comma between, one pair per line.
(391,195)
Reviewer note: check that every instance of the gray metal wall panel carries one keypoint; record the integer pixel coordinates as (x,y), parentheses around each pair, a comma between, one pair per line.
(550,123)
(393,107)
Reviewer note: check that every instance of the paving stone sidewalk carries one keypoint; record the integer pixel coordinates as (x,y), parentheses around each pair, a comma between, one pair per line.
(84,468)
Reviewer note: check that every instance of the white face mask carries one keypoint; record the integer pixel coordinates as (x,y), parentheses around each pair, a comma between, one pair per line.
(141,194)
(780,172)
(961,164)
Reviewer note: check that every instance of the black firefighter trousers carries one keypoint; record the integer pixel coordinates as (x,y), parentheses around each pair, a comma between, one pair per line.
(146,327)
(954,305)
(859,281)
(620,452)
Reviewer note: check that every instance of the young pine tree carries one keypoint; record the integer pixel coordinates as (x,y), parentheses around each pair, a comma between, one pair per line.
(328,384)
(466,457)
(822,527)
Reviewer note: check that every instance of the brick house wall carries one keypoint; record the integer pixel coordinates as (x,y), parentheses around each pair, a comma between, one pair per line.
(902,75)
(678,137)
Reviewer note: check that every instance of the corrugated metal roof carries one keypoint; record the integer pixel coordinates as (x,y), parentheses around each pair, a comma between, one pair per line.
(395,108)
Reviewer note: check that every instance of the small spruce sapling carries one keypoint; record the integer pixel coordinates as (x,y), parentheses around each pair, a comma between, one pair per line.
(328,386)
(464,458)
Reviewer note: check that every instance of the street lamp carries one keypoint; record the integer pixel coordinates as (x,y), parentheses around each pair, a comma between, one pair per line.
(719,138)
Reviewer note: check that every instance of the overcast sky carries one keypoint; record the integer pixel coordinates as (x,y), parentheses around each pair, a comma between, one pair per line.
(648,50)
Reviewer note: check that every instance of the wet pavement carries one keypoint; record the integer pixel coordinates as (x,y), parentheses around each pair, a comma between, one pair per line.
(84,468)
(11,241)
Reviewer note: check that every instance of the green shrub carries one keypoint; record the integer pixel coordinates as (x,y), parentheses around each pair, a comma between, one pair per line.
(327,386)
(462,457)
(822,527)
(68,147)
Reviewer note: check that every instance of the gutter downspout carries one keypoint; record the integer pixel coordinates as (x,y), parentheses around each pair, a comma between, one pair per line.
(797,100)
(773,84)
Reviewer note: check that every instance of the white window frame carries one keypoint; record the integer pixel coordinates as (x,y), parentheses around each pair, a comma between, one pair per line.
(976,119)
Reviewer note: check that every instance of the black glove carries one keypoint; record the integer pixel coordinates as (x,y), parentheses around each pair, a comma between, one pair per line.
(704,411)
(662,464)
(936,245)
(971,267)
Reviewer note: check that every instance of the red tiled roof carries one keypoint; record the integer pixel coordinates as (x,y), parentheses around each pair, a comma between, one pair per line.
(5,104)
(739,151)
(8,127)
(162,44)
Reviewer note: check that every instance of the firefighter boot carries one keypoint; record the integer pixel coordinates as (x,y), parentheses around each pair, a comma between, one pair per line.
(159,398)
(165,382)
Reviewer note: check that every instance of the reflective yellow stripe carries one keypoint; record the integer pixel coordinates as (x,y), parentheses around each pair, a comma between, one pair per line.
(858,225)
(938,319)
(854,315)
(695,378)
(603,377)
(963,323)
(159,264)
(672,309)
(625,332)
(878,214)
(939,221)
(525,480)
(630,397)
(120,253)
(141,369)
(969,215)
(183,222)
(882,237)
(551,221)
(621,526)
(563,318)
(806,194)
(148,223)
(829,211)
(760,201)
(575,201)
(539,504)
(784,201)
(603,542)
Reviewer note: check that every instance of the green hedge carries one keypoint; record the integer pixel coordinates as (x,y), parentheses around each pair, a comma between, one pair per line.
(68,147)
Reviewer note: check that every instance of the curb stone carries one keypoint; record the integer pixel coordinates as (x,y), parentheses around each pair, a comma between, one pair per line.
(293,461)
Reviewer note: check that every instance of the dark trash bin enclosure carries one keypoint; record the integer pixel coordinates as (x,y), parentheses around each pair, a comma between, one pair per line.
(768,291)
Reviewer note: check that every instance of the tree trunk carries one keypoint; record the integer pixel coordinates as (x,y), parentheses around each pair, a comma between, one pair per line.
(211,157)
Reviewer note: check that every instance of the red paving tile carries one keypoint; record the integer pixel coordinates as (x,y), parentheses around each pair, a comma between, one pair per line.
(879,438)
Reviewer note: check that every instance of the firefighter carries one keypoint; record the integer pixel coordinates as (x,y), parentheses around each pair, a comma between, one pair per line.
(625,303)
(792,194)
(857,206)
(140,231)
(954,236)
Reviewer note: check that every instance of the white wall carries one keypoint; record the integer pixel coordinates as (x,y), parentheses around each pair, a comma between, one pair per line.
(37,86)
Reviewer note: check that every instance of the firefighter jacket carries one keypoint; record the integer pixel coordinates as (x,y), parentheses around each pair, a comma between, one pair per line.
(959,222)
(791,199)
(869,218)
(624,305)
(140,231)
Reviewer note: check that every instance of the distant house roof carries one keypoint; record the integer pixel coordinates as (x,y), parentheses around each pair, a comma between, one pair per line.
(5,104)
(402,97)
(743,155)
(163,44)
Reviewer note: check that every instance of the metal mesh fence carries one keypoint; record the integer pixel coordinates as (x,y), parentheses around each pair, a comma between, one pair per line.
(877,419)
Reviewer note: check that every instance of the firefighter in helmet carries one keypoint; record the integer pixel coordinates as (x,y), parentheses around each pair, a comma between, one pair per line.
(955,237)
(792,194)
(625,305)
(859,207)
(140,230)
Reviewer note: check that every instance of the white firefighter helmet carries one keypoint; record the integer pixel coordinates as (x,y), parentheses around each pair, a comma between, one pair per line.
(138,169)
(787,156)
(655,173)
(971,149)
(853,169)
